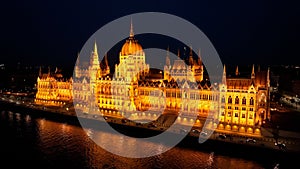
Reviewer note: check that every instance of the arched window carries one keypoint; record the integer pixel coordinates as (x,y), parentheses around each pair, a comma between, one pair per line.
(251,101)
(223,99)
(229,99)
(229,114)
(244,100)
(237,100)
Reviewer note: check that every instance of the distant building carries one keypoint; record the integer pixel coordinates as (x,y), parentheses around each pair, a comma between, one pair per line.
(53,89)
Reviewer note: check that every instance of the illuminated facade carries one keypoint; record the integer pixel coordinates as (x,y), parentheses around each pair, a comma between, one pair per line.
(244,101)
(53,89)
(238,104)
(85,78)
(181,71)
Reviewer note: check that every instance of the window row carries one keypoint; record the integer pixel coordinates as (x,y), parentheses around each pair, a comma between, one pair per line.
(237,100)
(229,114)
(243,108)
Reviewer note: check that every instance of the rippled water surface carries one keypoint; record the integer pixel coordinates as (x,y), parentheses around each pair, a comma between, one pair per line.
(33,142)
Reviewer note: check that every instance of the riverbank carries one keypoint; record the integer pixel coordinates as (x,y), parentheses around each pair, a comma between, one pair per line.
(43,142)
(131,129)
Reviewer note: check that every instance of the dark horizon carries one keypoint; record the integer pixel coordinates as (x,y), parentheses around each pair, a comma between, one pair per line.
(52,33)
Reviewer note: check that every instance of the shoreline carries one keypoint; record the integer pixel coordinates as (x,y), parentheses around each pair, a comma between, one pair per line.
(131,130)
(264,156)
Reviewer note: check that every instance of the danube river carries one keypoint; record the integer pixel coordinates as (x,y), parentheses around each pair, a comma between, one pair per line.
(29,141)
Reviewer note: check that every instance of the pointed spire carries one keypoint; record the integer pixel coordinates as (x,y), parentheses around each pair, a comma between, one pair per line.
(224,75)
(253,73)
(77,67)
(178,53)
(94,60)
(56,70)
(168,62)
(106,61)
(77,61)
(95,47)
(131,34)
(40,72)
(268,77)
(191,60)
(237,71)
(199,58)
(191,51)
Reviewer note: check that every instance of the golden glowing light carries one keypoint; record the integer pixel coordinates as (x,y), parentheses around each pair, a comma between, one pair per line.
(237,103)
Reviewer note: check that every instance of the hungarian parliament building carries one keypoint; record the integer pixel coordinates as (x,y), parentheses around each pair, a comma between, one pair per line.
(237,104)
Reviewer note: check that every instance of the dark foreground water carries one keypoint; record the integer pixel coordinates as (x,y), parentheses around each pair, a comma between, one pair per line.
(29,141)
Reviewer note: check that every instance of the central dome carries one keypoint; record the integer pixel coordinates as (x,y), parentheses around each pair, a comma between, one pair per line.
(131,46)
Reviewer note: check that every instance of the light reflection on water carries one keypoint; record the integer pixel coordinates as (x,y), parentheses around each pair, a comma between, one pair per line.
(66,145)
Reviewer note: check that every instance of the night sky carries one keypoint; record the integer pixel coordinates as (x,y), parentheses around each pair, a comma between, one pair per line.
(53,32)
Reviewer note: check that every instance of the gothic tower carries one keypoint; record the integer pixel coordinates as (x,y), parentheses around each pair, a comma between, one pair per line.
(94,64)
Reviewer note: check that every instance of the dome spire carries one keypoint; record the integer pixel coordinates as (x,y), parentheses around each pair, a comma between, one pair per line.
(95,47)
(131,28)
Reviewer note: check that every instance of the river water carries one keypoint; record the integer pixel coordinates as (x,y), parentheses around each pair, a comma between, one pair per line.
(28,141)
